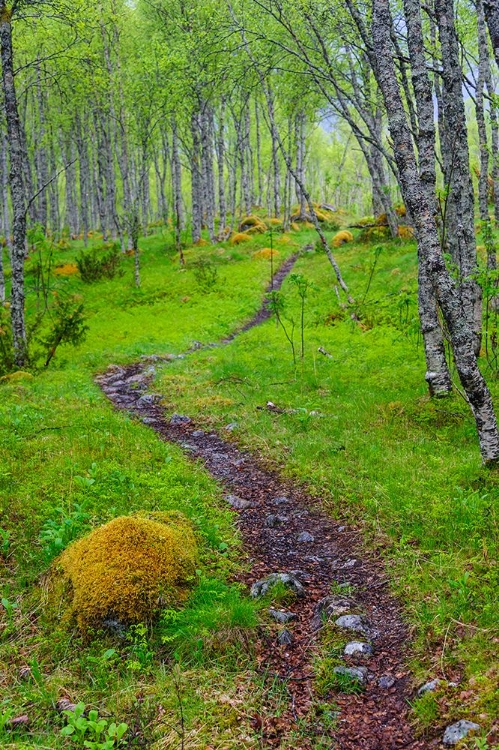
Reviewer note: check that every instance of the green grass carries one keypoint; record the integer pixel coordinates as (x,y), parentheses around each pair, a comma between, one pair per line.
(69,461)
(378,452)
(380,455)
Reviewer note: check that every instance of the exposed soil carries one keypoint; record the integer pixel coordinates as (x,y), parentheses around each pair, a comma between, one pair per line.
(377,719)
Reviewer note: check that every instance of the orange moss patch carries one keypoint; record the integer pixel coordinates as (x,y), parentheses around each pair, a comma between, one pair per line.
(284,240)
(238,238)
(68,269)
(342,237)
(266,253)
(295,227)
(406,233)
(273,222)
(201,243)
(126,570)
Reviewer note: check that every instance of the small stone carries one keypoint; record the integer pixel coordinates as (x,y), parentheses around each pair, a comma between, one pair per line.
(458,731)
(198,433)
(350,564)
(386,681)
(115,626)
(260,588)
(64,704)
(285,638)
(231,426)
(179,419)
(149,420)
(238,503)
(188,447)
(341,528)
(356,648)
(25,673)
(281,500)
(352,622)
(275,520)
(327,608)
(429,687)
(356,673)
(305,537)
(17,721)
(148,399)
(282,617)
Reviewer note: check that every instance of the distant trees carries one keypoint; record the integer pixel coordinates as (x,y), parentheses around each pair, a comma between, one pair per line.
(189,115)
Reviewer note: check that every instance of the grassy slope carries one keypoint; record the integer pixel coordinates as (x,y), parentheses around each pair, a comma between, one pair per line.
(384,457)
(66,456)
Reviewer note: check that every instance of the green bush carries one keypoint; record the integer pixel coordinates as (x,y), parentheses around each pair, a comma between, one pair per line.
(93,266)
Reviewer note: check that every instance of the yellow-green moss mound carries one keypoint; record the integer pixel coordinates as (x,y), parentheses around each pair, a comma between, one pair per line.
(127,570)
(342,237)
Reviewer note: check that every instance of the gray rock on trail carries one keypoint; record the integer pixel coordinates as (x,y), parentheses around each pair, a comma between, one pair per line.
(275,520)
(352,622)
(260,588)
(429,687)
(356,648)
(285,638)
(231,426)
(149,399)
(386,681)
(150,420)
(305,537)
(238,503)
(330,606)
(179,419)
(282,617)
(198,433)
(281,500)
(355,673)
(458,731)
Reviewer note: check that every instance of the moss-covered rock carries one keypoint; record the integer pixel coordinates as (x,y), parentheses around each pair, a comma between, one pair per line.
(342,237)
(126,570)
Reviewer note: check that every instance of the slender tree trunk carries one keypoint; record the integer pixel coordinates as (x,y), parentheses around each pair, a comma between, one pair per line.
(463,241)
(222,206)
(207,170)
(196,179)
(415,197)
(84,175)
(492,15)
(41,155)
(16,189)
(437,371)
(177,191)
(5,194)
(71,195)
(277,174)
(485,80)
(300,163)
(259,169)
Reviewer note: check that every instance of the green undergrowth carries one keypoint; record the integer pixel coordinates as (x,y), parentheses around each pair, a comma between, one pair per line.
(70,462)
(360,431)
(357,428)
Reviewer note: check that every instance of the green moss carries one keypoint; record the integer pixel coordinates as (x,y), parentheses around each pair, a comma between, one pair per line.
(128,569)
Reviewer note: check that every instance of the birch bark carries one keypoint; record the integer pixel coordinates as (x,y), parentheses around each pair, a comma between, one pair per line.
(437,371)
(17,193)
(414,193)
(460,186)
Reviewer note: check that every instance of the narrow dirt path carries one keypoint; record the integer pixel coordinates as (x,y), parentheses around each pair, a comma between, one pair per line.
(285,531)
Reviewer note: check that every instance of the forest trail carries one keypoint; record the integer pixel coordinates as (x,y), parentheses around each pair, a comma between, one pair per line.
(284,530)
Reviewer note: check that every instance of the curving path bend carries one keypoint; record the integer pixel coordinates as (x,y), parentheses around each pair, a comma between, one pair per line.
(273,514)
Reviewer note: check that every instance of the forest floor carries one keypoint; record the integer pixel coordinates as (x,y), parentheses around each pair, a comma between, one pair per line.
(388,483)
